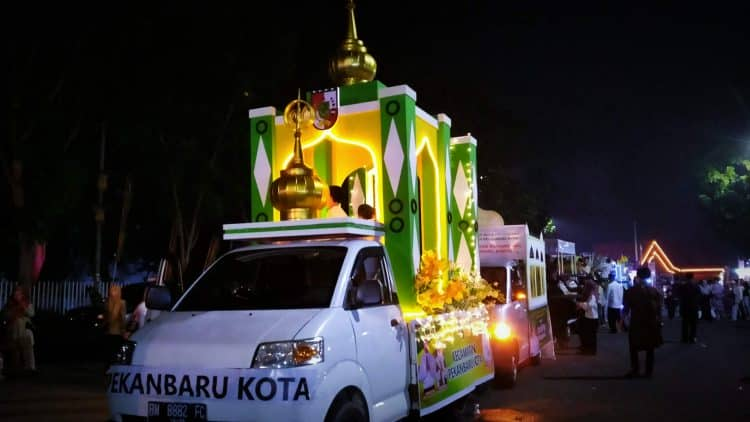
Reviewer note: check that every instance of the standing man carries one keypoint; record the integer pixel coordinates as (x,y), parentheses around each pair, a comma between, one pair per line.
(643,302)
(614,304)
(690,303)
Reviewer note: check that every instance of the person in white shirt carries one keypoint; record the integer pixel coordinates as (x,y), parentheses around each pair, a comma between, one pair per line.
(588,324)
(737,291)
(717,299)
(601,300)
(614,304)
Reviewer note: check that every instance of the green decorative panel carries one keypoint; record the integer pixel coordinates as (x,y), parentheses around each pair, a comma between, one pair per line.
(464,207)
(322,161)
(445,183)
(400,196)
(359,93)
(262,137)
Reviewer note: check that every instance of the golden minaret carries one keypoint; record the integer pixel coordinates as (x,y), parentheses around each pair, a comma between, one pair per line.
(352,63)
(298,192)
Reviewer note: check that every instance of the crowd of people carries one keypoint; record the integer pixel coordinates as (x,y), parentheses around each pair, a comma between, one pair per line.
(17,331)
(636,308)
(730,300)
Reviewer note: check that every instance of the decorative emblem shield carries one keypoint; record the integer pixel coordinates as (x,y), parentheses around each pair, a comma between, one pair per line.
(326,105)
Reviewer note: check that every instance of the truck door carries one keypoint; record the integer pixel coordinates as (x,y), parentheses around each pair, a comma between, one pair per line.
(381,337)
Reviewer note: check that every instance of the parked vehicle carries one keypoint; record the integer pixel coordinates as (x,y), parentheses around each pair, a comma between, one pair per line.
(314,326)
(324,319)
(513,262)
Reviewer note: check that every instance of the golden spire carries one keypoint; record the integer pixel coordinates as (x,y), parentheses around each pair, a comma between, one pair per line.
(352,63)
(298,192)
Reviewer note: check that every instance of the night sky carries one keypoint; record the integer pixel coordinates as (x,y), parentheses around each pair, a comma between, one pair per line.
(619,109)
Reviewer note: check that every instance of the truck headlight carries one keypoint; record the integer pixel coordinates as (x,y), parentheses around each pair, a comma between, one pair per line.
(501,331)
(124,353)
(288,354)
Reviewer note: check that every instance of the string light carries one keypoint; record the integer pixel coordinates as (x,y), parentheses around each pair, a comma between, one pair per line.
(443,329)
(655,251)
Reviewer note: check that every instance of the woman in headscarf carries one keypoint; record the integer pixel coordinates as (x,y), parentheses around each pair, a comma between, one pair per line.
(18,312)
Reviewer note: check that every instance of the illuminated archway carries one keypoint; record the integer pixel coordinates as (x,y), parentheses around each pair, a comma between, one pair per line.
(431,212)
(373,170)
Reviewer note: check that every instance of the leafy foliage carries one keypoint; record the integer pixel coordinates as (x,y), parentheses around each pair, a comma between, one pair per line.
(726,197)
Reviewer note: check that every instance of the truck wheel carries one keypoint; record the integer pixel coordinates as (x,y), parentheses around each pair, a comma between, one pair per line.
(509,377)
(347,407)
(536,360)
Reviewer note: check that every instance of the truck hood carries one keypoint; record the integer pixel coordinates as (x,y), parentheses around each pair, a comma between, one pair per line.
(216,339)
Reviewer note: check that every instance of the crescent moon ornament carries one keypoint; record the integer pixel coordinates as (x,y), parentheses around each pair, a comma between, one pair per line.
(299,114)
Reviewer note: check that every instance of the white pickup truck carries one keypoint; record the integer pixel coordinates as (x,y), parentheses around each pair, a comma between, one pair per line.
(296,330)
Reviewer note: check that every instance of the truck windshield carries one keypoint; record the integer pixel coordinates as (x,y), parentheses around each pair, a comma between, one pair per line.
(282,278)
(496,276)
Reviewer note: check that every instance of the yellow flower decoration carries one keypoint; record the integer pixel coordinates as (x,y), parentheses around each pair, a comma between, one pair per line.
(442,287)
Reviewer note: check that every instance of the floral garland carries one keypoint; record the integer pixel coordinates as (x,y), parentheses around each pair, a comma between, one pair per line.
(453,300)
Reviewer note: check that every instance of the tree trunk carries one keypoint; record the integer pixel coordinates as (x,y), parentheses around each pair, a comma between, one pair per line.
(127,199)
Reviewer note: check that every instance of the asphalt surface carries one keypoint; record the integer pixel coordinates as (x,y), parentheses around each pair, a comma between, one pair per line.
(707,381)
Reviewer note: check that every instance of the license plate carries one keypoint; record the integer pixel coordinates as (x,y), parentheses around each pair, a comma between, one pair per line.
(161,411)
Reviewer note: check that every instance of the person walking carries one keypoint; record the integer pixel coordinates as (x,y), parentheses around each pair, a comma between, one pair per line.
(643,303)
(736,296)
(601,301)
(20,338)
(589,322)
(690,302)
(114,320)
(614,304)
(705,304)
(671,300)
(746,299)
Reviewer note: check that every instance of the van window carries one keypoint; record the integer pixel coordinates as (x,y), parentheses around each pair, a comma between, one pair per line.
(370,265)
(496,277)
(283,278)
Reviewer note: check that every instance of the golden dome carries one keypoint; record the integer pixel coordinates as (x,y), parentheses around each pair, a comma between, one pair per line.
(352,63)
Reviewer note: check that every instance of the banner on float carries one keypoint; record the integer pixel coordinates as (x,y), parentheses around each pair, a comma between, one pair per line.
(540,324)
(445,374)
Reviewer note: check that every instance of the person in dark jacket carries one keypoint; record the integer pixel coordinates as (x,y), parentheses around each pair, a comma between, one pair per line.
(690,302)
(643,302)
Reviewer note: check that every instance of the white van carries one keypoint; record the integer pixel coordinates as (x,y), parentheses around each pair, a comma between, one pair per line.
(290,331)
(313,326)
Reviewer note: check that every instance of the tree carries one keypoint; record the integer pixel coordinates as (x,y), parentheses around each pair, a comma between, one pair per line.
(517,202)
(726,197)
(38,158)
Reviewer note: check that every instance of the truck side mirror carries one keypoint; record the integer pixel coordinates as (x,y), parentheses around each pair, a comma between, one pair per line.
(158,298)
(369,292)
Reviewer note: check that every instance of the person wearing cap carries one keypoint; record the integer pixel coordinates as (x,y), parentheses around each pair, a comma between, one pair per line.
(643,302)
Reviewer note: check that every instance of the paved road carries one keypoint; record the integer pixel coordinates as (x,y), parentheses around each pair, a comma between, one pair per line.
(71,392)
(701,382)
(706,381)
